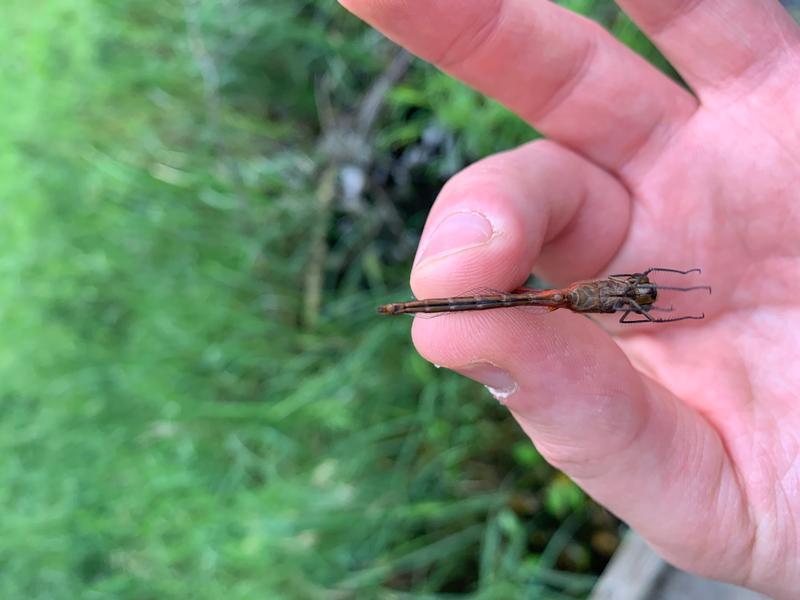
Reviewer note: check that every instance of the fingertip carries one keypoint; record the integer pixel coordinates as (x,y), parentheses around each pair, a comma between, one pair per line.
(497,265)
(475,239)
(458,231)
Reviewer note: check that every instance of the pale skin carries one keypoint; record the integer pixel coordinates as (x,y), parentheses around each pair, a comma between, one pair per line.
(690,431)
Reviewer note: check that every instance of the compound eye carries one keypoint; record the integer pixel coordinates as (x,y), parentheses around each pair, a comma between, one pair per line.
(558,297)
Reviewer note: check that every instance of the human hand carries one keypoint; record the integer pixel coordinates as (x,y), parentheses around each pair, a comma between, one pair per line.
(688,431)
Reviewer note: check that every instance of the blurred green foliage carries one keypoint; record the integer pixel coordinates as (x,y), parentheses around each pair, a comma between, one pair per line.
(170,427)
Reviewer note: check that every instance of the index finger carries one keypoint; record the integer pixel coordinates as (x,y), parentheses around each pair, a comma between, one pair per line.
(561,72)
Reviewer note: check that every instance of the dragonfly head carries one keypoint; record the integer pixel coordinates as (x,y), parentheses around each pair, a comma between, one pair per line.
(644,291)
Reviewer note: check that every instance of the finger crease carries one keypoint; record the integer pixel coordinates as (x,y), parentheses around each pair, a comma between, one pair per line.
(451,58)
(682,11)
(757,71)
(565,89)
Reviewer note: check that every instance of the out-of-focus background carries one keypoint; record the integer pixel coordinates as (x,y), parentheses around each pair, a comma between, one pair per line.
(202,203)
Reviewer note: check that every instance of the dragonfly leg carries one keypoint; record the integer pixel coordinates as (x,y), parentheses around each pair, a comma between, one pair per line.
(647,318)
(657,270)
(664,270)
(639,311)
(631,306)
(683,289)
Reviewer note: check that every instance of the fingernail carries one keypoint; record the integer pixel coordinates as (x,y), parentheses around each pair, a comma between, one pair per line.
(499,382)
(460,231)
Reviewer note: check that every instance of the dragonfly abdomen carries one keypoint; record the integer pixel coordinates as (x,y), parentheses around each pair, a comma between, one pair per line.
(466,303)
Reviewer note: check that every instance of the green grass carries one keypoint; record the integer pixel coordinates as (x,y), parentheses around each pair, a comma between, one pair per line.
(169,427)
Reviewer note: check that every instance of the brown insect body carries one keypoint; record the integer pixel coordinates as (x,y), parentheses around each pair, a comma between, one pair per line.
(612,294)
(627,293)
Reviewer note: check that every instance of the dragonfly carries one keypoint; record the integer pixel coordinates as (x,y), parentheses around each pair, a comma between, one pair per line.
(632,294)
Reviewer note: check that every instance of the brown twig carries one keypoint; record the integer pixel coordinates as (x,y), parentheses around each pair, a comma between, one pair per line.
(345,146)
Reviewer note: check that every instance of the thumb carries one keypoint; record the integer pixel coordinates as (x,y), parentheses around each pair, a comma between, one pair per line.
(623,438)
